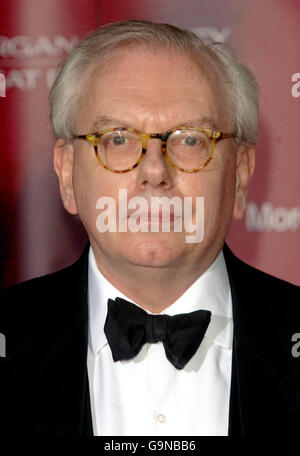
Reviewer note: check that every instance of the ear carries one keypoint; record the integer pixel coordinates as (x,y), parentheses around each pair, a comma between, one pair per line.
(63,165)
(244,171)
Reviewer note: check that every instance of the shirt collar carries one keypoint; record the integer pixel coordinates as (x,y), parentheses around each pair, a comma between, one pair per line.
(211,291)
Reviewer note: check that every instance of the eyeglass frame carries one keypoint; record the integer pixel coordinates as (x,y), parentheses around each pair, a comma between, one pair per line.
(213,135)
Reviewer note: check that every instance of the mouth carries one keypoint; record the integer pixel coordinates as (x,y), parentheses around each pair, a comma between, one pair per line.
(156,218)
(160,217)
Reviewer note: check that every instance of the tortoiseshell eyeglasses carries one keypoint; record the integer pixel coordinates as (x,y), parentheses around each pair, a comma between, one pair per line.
(188,149)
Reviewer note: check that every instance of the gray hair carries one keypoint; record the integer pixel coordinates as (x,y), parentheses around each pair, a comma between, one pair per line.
(240,85)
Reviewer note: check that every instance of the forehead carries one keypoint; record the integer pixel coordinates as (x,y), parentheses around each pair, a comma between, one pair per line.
(152,87)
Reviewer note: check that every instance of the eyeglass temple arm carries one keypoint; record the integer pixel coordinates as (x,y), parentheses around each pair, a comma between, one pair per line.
(226,136)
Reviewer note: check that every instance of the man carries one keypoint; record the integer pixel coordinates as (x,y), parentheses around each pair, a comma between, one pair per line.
(151,111)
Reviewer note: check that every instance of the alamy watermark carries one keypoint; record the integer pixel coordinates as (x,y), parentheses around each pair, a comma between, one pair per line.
(295,87)
(2,346)
(2,85)
(159,214)
(296,347)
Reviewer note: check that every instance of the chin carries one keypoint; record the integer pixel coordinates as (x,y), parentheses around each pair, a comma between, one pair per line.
(156,251)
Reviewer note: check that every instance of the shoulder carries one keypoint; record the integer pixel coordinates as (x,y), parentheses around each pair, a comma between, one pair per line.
(255,289)
(253,278)
(33,299)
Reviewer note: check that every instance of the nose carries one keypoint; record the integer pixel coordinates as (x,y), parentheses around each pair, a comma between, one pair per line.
(154,170)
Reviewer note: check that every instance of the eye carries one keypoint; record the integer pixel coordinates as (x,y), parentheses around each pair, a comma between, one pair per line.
(190,141)
(118,140)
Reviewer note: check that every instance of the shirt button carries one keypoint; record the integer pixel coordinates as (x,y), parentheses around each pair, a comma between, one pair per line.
(161,418)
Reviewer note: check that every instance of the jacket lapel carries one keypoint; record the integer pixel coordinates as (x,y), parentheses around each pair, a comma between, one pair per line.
(48,357)
(259,393)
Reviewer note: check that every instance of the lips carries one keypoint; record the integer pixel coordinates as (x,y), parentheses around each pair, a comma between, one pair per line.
(157,217)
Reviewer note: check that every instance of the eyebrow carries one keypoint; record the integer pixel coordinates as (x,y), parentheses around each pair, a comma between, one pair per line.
(106,122)
(204,121)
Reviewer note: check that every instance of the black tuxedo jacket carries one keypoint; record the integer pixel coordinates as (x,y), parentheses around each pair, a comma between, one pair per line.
(43,378)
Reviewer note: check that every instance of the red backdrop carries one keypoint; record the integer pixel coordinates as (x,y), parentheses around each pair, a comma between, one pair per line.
(36,234)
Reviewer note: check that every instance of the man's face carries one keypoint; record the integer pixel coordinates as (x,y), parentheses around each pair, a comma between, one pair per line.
(154,92)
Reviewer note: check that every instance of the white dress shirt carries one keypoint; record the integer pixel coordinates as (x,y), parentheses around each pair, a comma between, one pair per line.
(147,395)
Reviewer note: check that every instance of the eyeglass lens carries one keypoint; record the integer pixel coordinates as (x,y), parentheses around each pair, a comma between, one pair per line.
(120,150)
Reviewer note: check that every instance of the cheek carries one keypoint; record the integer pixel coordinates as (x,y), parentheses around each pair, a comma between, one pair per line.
(86,184)
(91,182)
(217,185)
(222,193)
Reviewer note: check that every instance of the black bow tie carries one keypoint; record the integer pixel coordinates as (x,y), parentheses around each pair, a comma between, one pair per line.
(128,328)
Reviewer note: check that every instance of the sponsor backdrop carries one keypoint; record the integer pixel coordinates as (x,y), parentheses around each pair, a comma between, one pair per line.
(36,235)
